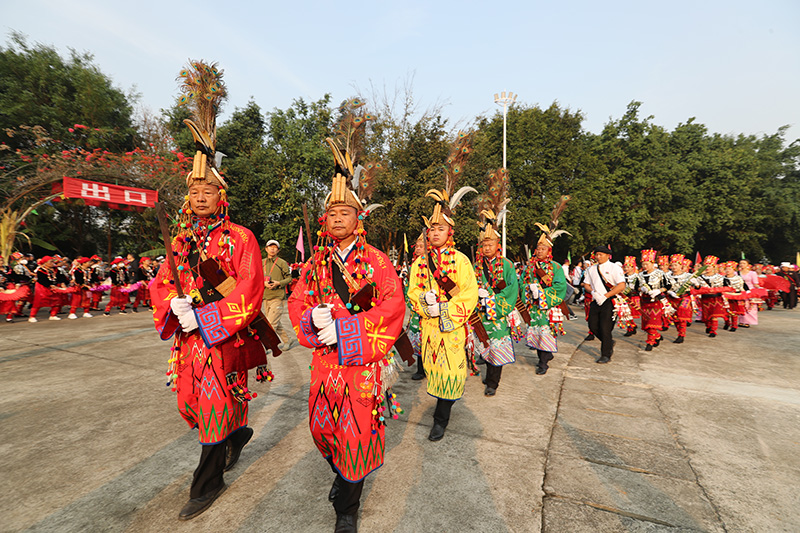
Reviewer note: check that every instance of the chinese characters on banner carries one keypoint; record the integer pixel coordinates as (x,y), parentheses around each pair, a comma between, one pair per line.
(112,196)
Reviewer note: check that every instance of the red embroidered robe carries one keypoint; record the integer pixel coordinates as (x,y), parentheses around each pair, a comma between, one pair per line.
(343,377)
(204,355)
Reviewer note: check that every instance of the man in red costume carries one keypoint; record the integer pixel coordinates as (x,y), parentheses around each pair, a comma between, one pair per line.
(348,398)
(215,341)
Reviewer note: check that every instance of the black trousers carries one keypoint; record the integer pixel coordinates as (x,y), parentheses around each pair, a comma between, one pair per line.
(601,323)
(420,367)
(441,415)
(544,358)
(493,374)
(789,298)
(208,474)
(349,498)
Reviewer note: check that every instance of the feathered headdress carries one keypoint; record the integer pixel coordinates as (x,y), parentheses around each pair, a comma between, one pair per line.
(446,199)
(353,184)
(492,205)
(549,232)
(203,93)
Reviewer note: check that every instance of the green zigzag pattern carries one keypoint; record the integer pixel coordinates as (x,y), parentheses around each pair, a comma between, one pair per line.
(445,385)
(358,466)
(217,424)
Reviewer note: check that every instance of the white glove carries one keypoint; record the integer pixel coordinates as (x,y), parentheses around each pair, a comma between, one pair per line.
(188,321)
(535,293)
(321,317)
(181,305)
(599,298)
(673,294)
(654,293)
(433,310)
(328,334)
(695,282)
(430,298)
(483,293)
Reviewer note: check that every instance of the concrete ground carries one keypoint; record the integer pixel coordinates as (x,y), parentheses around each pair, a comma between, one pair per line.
(701,436)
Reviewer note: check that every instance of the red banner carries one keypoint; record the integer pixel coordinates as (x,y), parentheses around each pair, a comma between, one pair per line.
(112,196)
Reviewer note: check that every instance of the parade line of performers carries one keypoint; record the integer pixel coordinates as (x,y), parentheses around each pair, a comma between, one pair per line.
(349,306)
(76,286)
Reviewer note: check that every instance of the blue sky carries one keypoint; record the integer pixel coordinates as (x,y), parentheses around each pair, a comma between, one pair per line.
(731,64)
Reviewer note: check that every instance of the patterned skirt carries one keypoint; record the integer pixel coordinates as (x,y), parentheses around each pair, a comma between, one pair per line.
(500,351)
(652,313)
(712,306)
(683,308)
(737,307)
(635,303)
(541,338)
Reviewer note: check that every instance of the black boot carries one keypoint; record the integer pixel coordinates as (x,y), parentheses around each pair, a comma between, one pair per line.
(679,340)
(346,523)
(337,485)
(236,442)
(196,506)
(420,373)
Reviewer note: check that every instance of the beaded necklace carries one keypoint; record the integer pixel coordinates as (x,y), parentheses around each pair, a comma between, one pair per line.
(323,257)
(195,230)
(444,260)
(495,267)
(546,267)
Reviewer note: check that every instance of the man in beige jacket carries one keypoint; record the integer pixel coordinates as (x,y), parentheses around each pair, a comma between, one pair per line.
(276,277)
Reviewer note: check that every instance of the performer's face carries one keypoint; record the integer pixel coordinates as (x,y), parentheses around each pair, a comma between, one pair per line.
(342,221)
(759,268)
(744,266)
(490,247)
(676,268)
(542,252)
(203,198)
(438,233)
(649,266)
(419,247)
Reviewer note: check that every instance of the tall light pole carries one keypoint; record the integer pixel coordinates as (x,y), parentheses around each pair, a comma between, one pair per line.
(505,99)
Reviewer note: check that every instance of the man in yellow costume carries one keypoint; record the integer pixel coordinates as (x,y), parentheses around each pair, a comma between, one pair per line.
(444,292)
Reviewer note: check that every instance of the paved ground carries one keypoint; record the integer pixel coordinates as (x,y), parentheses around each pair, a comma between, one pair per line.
(695,437)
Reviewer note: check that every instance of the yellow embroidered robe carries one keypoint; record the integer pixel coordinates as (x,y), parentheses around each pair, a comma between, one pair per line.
(443,337)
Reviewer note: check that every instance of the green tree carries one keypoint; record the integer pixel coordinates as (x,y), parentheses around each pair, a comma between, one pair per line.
(547,157)
(40,88)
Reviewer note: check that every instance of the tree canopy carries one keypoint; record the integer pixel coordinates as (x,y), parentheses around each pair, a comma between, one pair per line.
(633,185)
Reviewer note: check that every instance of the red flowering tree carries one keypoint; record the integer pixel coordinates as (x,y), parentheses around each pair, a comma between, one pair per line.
(28,176)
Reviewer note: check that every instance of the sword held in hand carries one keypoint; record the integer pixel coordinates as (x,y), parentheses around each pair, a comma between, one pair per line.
(162,222)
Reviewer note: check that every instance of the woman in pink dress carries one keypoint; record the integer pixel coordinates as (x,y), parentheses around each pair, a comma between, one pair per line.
(750,317)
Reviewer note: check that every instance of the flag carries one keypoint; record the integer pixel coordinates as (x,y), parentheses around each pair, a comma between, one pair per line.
(299,245)
(569,257)
(405,243)
(797,259)
(743,257)
(698,259)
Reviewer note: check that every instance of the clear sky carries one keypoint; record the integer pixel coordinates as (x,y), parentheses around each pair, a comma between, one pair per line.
(734,65)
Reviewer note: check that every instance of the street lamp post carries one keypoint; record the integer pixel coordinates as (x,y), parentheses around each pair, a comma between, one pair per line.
(505,99)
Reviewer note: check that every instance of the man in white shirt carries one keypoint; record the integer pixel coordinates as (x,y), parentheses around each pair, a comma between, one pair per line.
(604,281)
